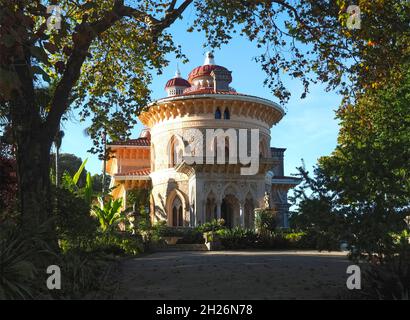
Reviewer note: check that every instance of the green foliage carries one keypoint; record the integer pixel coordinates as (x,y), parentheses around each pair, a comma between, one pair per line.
(159,227)
(98,182)
(344,59)
(239,238)
(8,185)
(108,213)
(191,236)
(389,280)
(118,243)
(69,163)
(73,220)
(71,183)
(17,271)
(360,193)
(265,221)
(86,274)
(160,230)
(211,236)
(187,235)
(138,198)
(214,225)
(323,228)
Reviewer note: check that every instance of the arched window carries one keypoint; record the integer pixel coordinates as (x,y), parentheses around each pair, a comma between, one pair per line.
(176,152)
(177,216)
(218,114)
(227,115)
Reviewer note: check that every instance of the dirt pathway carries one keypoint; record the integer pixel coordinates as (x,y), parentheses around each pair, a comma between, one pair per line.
(234,275)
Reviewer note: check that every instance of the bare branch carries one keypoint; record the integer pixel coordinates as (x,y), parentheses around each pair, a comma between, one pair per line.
(172,5)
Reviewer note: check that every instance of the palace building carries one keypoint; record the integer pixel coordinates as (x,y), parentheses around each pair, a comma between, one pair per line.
(179,162)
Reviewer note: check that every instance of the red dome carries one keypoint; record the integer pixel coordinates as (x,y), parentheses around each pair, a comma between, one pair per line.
(146,133)
(177,82)
(204,70)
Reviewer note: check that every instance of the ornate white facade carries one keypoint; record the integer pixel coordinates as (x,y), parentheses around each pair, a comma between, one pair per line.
(189,193)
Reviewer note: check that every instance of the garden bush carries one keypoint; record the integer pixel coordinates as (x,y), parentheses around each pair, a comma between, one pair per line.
(86,275)
(118,243)
(389,280)
(188,235)
(75,226)
(265,221)
(17,270)
(237,238)
(214,225)
(191,236)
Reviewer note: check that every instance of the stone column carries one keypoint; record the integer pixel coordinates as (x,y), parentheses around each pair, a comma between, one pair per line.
(242,214)
(203,214)
(192,218)
(218,209)
(285,213)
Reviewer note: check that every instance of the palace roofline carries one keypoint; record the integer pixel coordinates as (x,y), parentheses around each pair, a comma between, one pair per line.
(221,95)
(139,142)
(139,174)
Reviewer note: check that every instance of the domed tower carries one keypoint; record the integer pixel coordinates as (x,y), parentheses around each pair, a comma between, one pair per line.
(146,133)
(199,140)
(209,77)
(176,85)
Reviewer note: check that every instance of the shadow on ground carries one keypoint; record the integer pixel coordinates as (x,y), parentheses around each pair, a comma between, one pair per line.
(234,275)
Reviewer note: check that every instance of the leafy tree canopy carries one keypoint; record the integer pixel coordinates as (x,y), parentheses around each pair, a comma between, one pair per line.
(100,60)
(365,183)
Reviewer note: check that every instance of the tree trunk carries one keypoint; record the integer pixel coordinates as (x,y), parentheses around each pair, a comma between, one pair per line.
(33,169)
(57,164)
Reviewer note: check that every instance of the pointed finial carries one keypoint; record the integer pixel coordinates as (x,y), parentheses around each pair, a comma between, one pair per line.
(177,73)
(209,58)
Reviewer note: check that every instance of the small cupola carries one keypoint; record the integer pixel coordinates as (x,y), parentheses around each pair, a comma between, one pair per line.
(145,133)
(210,76)
(176,85)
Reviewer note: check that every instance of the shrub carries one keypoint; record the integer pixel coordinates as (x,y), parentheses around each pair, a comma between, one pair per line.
(73,221)
(214,225)
(17,271)
(211,236)
(188,235)
(118,243)
(237,238)
(389,277)
(8,188)
(108,213)
(265,221)
(85,274)
(138,198)
(191,236)
(388,280)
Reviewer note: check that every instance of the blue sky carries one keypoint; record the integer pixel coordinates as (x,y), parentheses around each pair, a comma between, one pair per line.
(308,130)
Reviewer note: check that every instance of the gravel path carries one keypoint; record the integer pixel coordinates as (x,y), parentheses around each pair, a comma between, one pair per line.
(234,275)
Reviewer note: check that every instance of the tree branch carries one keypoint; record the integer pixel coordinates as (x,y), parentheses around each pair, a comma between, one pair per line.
(297,17)
(83,38)
(172,5)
